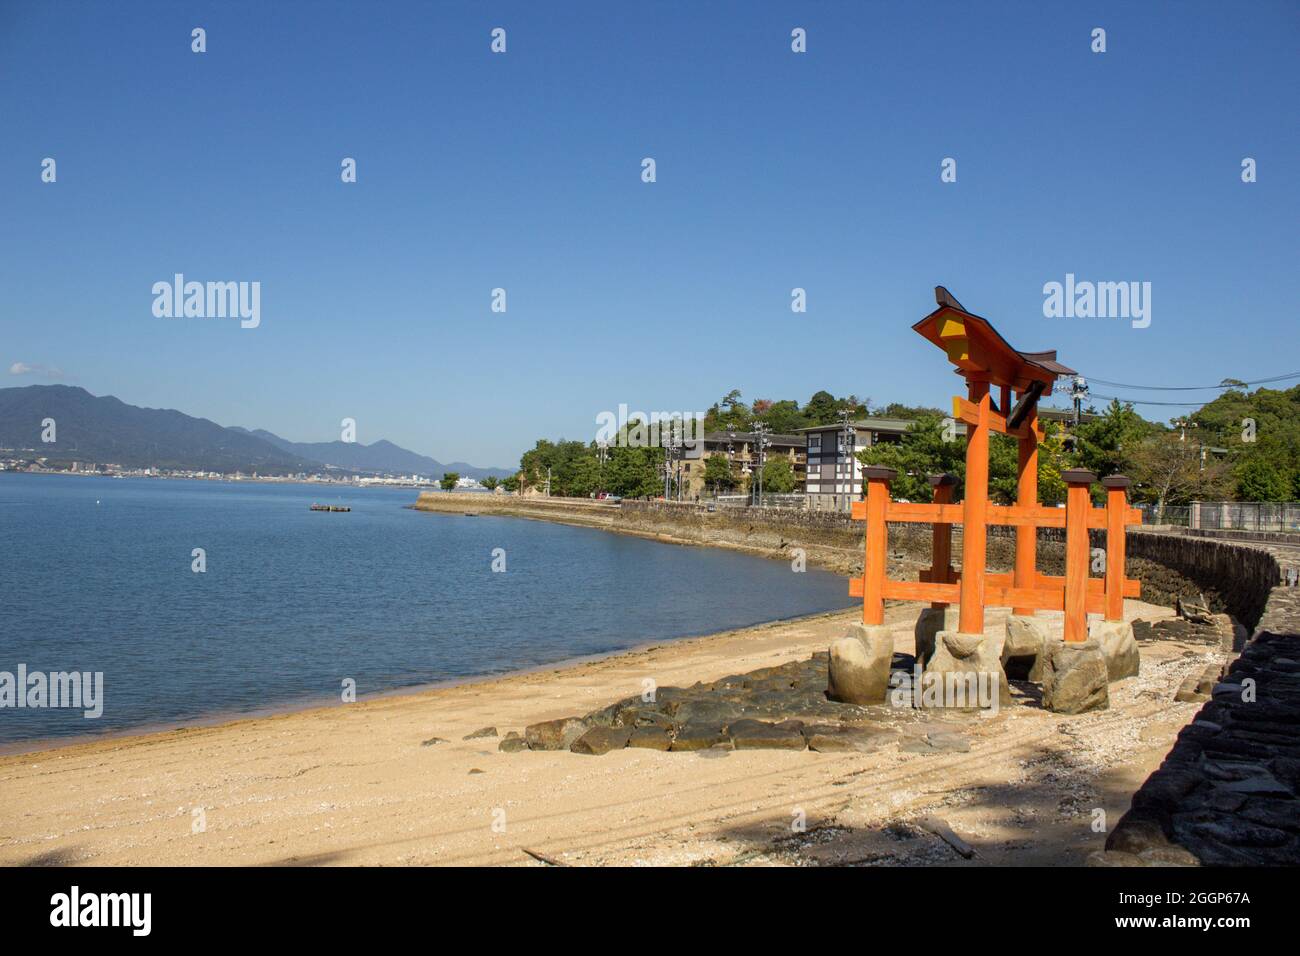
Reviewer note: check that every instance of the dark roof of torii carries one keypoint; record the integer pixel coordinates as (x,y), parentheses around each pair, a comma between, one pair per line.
(1013,363)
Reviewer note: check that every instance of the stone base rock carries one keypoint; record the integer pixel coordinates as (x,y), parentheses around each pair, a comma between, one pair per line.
(859,665)
(1118,646)
(960,670)
(1075,677)
(1022,651)
(928,625)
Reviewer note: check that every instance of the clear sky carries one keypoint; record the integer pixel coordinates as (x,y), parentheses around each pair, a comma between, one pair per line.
(523,170)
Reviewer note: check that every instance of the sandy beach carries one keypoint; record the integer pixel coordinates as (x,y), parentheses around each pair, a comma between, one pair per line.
(352,784)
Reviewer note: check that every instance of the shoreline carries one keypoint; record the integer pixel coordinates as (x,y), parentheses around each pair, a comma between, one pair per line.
(840,553)
(392,780)
(419,690)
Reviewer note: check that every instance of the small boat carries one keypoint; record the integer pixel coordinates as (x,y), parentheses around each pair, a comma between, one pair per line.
(316,507)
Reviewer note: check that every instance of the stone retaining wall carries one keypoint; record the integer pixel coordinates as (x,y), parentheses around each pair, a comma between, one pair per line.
(1227,792)
(1169,566)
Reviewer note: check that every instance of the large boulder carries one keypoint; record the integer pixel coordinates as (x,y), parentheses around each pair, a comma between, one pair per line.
(1075,677)
(1022,650)
(555,734)
(601,740)
(1118,646)
(931,621)
(650,738)
(513,743)
(965,673)
(698,736)
(859,665)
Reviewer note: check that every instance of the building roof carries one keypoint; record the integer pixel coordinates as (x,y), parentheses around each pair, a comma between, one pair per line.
(867,424)
(723,437)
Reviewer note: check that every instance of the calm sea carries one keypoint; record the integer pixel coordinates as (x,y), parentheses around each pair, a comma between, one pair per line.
(96,575)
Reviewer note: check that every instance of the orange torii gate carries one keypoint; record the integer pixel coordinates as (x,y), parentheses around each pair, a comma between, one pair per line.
(985,360)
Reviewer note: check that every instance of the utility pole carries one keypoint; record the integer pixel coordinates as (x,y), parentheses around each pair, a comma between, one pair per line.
(731,453)
(1078,392)
(548,481)
(760,444)
(847,441)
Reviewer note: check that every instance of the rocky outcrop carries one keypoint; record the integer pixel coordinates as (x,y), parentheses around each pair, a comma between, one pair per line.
(555,734)
(601,740)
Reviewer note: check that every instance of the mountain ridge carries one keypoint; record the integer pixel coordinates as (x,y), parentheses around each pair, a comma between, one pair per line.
(106,429)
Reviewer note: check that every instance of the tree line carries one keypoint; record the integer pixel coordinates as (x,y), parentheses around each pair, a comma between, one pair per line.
(1242,446)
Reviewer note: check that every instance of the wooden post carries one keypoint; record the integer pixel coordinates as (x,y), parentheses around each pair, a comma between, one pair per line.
(1077,505)
(941,544)
(877,538)
(1027,496)
(1116,504)
(975,512)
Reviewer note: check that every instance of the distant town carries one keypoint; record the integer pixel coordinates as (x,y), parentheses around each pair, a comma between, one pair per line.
(14,460)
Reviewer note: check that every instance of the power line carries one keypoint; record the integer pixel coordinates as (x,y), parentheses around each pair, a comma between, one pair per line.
(1136,401)
(1190,388)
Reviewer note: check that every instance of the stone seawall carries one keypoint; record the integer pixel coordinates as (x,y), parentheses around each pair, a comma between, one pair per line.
(1233,579)
(829,541)
(1228,793)
(1236,579)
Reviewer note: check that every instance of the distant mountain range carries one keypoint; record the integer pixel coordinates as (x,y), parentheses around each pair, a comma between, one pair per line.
(105,429)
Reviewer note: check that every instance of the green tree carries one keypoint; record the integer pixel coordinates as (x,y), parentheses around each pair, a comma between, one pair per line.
(449,480)
(927,448)
(511,483)
(784,417)
(1259,479)
(635,472)
(491,482)
(1166,471)
(778,476)
(1105,445)
(729,412)
(822,409)
(718,474)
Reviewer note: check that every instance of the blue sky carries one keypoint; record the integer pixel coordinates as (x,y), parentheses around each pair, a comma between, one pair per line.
(522,171)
